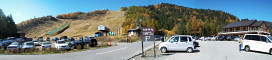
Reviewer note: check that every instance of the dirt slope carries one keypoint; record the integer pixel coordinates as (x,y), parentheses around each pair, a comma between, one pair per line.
(79,27)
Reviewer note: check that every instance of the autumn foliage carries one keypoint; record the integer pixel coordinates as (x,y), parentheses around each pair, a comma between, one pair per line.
(80,14)
(124,8)
(175,19)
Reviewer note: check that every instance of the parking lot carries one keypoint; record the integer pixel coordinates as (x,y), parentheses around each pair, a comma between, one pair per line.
(209,50)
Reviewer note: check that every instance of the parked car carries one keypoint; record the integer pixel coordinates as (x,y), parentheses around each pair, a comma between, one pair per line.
(237,38)
(177,43)
(14,46)
(257,42)
(76,44)
(36,42)
(28,45)
(61,45)
(91,42)
(10,40)
(47,39)
(71,39)
(203,38)
(157,37)
(29,39)
(46,45)
(40,39)
(4,44)
(225,38)
(20,40)
(65,38)
(55,39)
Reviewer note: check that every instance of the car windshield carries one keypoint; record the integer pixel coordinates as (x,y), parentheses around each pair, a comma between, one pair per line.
(61,42)
(45,43)
(269,37)
(35,40)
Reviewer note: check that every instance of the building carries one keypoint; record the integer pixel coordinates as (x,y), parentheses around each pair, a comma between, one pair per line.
(103,30)
(245,26)
(133,32)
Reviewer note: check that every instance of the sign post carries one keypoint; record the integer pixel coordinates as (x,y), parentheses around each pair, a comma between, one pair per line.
(148,35)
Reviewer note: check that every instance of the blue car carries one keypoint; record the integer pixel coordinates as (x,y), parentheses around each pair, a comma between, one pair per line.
(55,39)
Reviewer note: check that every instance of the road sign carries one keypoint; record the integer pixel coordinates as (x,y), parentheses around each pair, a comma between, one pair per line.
(147,33)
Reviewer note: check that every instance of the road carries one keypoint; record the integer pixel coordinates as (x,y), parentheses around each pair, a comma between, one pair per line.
(218,50)
(122,51)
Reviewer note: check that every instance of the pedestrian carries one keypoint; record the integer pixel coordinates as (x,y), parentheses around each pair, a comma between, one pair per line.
(240,44)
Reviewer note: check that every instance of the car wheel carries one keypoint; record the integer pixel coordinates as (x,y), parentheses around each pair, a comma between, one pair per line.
(163,50)
(270,51)
(247,48)
(189,50)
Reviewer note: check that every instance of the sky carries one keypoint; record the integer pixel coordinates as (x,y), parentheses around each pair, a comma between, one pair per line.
(22,10)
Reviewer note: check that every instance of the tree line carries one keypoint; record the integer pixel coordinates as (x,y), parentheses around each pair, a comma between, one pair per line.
(173,19)
(80,14)
(8,26)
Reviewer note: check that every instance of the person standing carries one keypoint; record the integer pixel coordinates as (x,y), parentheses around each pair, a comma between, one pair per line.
(240,44)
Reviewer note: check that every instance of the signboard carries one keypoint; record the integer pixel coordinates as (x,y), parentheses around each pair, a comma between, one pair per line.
(147,33)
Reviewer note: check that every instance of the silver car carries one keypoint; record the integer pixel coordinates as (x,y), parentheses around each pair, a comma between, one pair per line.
(14,46)
(28,45)
(46,45)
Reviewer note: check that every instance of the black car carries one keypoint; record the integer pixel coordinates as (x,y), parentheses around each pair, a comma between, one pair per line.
(65,38)
(90,41)
(40,39)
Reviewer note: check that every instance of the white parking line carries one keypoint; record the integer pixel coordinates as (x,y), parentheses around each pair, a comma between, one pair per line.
(111,51)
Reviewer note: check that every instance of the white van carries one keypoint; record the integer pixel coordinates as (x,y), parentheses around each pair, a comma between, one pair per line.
(257,42)
(177,43)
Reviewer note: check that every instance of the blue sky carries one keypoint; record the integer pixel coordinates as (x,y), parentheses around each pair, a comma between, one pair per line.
(22,10)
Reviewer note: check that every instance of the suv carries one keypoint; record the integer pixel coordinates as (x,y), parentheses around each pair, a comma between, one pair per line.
(257,42)
(177,43)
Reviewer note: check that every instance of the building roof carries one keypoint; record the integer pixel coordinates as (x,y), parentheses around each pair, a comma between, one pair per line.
(240,24)
(134,29)
(258,23)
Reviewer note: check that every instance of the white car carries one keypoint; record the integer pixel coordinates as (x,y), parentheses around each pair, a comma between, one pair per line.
(177,43)
(257,42)
(61,45)
(46,45)
(36,42)
(237,38)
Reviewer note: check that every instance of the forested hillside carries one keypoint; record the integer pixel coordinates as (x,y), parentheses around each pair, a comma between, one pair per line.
(7,25)
(175,19)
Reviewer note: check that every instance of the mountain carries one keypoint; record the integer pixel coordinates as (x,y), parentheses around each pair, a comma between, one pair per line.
(82,25)
(175,19)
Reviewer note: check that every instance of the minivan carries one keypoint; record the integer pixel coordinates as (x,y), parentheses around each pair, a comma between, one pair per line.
(177,43)
(257,42)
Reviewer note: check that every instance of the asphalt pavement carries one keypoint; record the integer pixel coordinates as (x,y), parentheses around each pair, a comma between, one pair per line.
(122,51)
(218,50)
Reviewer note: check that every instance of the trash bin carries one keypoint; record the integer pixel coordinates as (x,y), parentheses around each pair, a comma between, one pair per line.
(162,39)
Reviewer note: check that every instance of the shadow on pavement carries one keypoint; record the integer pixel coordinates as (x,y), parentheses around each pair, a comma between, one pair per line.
(259,52)
(195,51)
